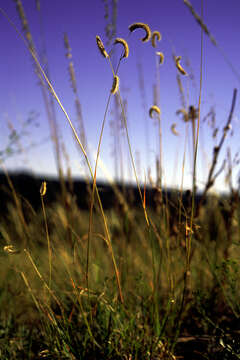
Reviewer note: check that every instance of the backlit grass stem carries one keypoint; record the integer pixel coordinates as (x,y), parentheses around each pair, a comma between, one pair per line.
(81,146)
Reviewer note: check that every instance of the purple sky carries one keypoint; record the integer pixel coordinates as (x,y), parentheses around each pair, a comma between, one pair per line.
(82,21)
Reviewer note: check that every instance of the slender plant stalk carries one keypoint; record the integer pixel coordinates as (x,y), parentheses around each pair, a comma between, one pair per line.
(195,150)
(133,164)
(30,291)
(81,146)
(93,191)
(48,239)
(187,273)
(41,277)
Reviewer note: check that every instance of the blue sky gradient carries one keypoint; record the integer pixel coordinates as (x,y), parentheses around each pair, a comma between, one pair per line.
(82,21)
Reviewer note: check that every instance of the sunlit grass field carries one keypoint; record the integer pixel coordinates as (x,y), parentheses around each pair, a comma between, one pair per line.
(127,282)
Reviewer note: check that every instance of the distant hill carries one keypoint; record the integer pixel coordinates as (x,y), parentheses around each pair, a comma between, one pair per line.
(27,186)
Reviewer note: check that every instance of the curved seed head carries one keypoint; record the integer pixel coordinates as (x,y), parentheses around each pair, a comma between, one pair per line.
(10,249)
(115,85)
(161,57)
(124,44)
(179,67)
(173,129)
(101,47)
(152,109)
(43,188)
(156,36)
(185,114)
(140,25)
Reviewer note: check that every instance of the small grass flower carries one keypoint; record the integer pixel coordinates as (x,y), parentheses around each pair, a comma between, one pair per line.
(115,85)
(124,44)
(161,57)
(43,188)
(179,67)
(173,129)
(153,109)
(10,249)
(156,36)
(140,25)
(101,47)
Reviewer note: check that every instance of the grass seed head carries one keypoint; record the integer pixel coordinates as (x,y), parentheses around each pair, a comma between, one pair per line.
(101,47)
(185,114)
(67,46)
(156,36)
(43,188)
(124,44)
(10,249)
(66,43)
(179,67)
(161,57)
(173,129)
(152,109)
(115,85)
(140,25)
(25,25)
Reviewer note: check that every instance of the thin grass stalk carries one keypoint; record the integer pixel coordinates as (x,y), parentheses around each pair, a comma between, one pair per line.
(211,178)
(144,106)
(160,152)
(78,296)
(131,155)
(73,83)
(31,292)
(129,145)
(48,239)
(132,160)
(159,122)
(38,305)
(42,279)
(196,146)
(81,146)
(121,149)
(187,273)
(155,283)
(189,229)
(212,39)
(93,191)
(193,143)
(181,188)
(98,152)
(48,105)
(94,188)
(160,173)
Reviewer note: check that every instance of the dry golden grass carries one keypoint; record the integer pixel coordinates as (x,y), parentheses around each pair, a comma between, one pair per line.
(115,85)
(178,65)
(101,47)
(140,25)
(156,36)
(125,46)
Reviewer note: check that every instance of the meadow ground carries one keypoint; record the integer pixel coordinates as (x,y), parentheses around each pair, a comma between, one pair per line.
(51,309)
